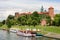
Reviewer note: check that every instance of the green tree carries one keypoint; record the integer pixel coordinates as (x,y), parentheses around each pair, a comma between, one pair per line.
(56,21)
(29,21)
(35,16)
(10,17)
(3,22)
(9,21)
(8,24)
(22,20)
(34,23)
(46,17)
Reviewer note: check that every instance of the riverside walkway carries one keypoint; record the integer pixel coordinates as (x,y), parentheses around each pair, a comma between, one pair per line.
(53,35)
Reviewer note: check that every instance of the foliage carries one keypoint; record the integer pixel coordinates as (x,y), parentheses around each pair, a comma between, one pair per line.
(10,21)
(3,22)
(10,17)
(56,21)
(31,19)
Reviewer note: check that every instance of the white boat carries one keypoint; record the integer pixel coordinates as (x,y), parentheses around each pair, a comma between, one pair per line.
(19,33)
(13,30)
(25,33)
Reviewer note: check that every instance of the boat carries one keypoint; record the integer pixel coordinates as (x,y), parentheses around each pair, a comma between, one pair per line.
(39,34)
(13,30)
(26,33)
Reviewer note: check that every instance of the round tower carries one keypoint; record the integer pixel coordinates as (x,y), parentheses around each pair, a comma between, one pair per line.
(17,14)
(51,12)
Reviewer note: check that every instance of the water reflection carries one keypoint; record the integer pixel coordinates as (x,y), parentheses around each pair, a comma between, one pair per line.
(4,35)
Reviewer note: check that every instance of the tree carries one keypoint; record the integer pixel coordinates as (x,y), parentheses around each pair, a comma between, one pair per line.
(3,22)
(22,20)
(10,17)
(29,21)
(46,17)
(8,24)
(56,21)
(35,16)
(9,21)
(34,23)
(42,16)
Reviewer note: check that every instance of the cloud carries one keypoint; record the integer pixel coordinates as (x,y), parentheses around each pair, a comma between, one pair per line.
(5,12)
(29,4)
(11,6)
(4,0)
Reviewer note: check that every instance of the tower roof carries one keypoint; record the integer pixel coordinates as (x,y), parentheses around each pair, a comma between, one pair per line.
(51,7)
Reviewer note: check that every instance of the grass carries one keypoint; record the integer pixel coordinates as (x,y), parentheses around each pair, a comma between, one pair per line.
(44,29)
(4,27)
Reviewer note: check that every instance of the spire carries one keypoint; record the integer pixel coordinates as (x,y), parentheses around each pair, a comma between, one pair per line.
(42,9)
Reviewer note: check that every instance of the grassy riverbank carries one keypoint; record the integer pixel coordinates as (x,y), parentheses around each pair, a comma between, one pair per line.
(44,29)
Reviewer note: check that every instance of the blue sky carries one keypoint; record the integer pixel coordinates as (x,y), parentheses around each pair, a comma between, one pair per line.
(11,6)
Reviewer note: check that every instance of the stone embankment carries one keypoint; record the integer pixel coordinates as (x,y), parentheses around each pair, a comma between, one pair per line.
(53,35)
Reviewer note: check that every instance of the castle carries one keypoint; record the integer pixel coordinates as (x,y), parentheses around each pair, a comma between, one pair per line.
(50,12)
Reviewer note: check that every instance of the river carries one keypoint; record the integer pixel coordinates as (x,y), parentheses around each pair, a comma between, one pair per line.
(4,35)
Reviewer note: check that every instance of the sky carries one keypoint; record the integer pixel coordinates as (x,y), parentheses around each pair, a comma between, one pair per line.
(8,7)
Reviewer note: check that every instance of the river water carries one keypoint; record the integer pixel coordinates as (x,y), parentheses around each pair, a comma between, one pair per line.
(4,35)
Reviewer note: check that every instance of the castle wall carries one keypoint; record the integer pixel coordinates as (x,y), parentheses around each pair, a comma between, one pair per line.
(43,22)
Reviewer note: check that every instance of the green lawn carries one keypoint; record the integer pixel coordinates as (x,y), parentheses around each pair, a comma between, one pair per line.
(44,29)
